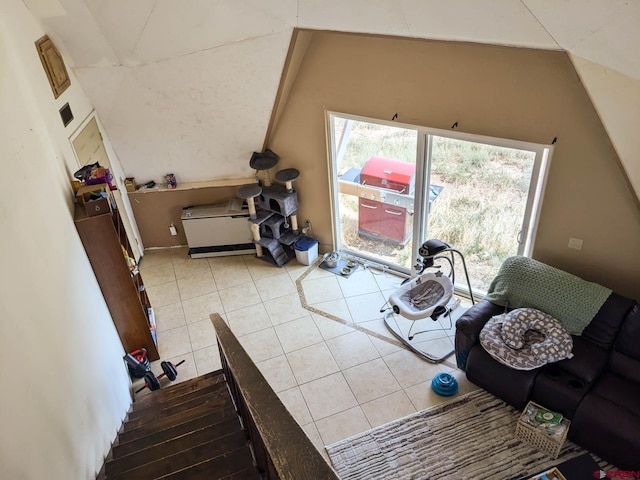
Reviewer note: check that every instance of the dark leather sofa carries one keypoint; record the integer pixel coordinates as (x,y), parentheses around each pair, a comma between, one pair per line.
(598,389)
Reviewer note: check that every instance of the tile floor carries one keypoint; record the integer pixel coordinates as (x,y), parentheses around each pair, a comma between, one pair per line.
(319,339)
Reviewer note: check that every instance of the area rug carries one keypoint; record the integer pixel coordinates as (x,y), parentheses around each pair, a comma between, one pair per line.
(471,437)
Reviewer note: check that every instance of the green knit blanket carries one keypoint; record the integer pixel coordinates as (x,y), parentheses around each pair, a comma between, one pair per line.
(524,282)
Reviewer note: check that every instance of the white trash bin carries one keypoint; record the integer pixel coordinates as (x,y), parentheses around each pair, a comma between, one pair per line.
(306,250)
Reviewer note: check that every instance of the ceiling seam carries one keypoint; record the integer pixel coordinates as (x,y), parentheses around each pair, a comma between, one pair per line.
(541,24)
(593,32)
(144,28)
(215,47)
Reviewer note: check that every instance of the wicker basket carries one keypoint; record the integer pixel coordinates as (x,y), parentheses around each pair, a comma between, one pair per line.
(538,437)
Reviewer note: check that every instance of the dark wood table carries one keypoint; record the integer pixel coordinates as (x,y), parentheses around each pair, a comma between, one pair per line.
(577,468)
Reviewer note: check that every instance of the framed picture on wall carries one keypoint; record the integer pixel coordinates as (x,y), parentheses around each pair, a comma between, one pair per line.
(53,66)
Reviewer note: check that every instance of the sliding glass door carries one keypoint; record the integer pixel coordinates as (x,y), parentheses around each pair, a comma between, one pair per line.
(395,186)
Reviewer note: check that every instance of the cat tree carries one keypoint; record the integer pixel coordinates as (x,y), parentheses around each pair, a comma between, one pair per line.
(272,209)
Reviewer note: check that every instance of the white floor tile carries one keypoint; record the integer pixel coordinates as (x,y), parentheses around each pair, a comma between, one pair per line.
(196,285)
(261,345)
(230,262)
(229,277)
(364,308)
(285,309)
(322,290)
(169,316)
(248,320)
(342,425)
(352,349)
(359,282)
(239,297)
(199,308)
(386,409)
(327,396)
(202,334)
(158,274)
(409,369)
(163,294)
(154,257)
(330,328)
(298,334)
(371,380)
(187,267)
(207,359)
(275,286)
(312,362)
(337,308)
(172,343)
(278,373)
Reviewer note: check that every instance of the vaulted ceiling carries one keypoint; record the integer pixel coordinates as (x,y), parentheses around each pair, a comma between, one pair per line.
(189,85)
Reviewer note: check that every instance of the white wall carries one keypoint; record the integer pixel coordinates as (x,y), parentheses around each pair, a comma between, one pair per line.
(187,87)
(616,97)
(65,389)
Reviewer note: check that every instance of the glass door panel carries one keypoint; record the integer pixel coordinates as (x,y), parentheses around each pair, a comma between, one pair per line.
(482,209)
(375,169)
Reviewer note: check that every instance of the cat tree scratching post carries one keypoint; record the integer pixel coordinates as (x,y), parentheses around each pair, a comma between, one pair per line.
(248,193)
(288,176)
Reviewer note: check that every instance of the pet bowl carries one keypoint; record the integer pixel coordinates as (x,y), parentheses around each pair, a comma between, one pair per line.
(331,259)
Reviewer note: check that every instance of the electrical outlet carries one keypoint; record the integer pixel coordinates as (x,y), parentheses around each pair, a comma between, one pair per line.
(307,223)
(575,243)
(173,230)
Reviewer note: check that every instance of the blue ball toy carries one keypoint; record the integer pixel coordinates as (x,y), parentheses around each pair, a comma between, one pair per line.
(444,384)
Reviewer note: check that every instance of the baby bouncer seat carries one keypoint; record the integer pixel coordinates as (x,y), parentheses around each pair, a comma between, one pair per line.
(425,302)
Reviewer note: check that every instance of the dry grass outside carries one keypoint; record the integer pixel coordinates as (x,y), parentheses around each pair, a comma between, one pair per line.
(479,211)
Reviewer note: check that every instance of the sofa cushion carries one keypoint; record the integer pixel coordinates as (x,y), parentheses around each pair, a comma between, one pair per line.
(588,361)
(628,341)
(607,430)
(604,327)
(625,358)
(512,386)
(618,390)
(624,366)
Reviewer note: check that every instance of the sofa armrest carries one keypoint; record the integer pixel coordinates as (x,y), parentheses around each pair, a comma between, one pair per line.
(468,328)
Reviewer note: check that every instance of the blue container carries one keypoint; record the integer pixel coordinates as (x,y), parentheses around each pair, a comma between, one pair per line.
(306,250)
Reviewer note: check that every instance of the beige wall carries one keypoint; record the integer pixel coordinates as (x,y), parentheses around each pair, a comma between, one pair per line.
(516,93)
(154,211)
(65,389)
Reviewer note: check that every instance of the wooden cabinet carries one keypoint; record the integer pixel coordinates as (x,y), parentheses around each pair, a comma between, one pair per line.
(106,242)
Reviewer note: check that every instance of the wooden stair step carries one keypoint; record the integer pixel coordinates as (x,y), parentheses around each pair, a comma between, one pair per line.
(246,474)
(219,467)
(205,452)
(221,400)
(163,423)
(178,389)
(177,403)
(172,446)
(150,400)
(209,420)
